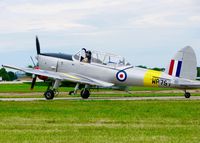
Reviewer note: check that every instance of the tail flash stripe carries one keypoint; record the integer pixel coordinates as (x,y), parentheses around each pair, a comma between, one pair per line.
(175,68)
(171,67)
(179,69)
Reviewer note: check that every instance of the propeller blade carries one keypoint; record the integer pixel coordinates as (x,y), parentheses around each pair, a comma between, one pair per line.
(37,45)
(33,82)
(33,61)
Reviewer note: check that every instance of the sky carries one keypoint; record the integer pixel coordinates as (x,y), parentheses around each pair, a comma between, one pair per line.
(144,32)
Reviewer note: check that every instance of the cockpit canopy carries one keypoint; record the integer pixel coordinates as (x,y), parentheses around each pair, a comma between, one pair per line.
(102,58)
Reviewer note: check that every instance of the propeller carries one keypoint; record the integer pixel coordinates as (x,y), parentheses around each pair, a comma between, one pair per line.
(36,66)
(38,52)
(37,45)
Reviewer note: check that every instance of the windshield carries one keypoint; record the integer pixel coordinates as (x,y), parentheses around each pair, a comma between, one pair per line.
(103,58)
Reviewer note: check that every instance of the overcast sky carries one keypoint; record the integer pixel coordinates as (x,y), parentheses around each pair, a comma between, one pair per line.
(144,32)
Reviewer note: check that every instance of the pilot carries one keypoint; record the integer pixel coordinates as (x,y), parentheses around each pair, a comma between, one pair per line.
(88,56)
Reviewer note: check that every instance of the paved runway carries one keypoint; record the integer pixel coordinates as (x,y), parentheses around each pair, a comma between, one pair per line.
(106,98)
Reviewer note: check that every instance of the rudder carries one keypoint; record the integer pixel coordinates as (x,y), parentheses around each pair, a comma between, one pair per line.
(184,64)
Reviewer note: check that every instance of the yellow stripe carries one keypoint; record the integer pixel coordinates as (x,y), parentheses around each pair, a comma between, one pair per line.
(70,76)
(151,78)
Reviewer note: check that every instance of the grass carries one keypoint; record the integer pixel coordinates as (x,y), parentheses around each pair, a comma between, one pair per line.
(25,88)
(97,121)
(100,121)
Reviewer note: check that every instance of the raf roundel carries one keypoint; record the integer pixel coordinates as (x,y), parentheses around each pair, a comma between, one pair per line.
(121,76)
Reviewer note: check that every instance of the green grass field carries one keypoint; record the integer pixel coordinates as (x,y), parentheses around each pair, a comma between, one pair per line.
(100,121)
(25,88)
(97,121)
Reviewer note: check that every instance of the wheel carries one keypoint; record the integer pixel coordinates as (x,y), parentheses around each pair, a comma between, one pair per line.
(85,93)
(49,94)
(187,95)
(71,93)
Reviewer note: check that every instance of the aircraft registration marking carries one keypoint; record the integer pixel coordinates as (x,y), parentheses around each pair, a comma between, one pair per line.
(151,78)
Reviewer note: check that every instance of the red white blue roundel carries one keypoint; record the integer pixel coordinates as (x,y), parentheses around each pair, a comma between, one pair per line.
(121,76)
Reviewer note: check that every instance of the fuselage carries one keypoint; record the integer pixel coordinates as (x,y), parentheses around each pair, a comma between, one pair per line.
(120,76)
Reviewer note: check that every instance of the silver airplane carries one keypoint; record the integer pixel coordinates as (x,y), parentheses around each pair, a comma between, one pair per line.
(93,68)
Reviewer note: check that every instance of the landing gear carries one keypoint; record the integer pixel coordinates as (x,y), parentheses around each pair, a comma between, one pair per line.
(187,95)
(51,91)
(75,89)
(49,94)
(85,93)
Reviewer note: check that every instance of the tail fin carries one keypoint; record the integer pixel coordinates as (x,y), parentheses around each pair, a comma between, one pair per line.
(184,64)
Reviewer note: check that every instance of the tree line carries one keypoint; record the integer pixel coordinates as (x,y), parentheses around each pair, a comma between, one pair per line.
(7,76)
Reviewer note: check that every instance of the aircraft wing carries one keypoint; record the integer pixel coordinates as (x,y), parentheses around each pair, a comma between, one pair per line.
(63,76)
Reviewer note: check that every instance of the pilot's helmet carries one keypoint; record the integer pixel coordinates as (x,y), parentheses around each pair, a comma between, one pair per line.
(84,49)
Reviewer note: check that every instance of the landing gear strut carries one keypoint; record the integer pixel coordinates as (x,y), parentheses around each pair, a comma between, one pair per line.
(75,90)
(187,95)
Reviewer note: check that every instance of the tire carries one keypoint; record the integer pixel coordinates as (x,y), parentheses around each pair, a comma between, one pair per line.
(85,93)
(49,94)
(187,95)
(71,93)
